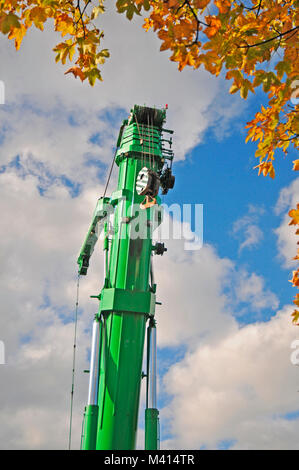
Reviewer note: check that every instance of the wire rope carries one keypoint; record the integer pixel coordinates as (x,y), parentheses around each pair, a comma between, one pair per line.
(74,361)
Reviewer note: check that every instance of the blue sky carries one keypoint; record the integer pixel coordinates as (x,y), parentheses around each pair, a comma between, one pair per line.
(224,329)
(220,175)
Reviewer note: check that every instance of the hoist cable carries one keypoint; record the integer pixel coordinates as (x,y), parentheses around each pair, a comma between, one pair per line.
(149,131)
(141,139)
(76,322)
(74,361)
(153,141)
(110,173)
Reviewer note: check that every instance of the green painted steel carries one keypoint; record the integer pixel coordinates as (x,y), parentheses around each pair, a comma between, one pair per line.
(124,330)
(100,213)
(127,300)
(89,436)
(152,435)
(124,300)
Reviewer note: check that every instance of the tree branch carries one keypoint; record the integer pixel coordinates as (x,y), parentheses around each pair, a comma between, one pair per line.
(269,40)
(198,21)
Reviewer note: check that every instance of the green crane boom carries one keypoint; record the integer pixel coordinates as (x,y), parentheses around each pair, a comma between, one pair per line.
(127,300)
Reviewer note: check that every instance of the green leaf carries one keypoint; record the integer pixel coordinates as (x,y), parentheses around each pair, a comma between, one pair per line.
(244,91)
(105,53)
(282,67)
(10,21)
(92,75)
(130,12)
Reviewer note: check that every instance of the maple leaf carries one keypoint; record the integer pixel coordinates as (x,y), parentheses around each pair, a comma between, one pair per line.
(294,214)
(17,34)
(295,316)
(296,165)
(201,4)
(77,72)
(64,23)
(214,24)
(9,22)
(96,11)
(295,278)
(39,16)
(173,3)
(223,5)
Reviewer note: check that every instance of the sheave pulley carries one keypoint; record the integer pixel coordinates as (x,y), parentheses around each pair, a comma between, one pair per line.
(147,184)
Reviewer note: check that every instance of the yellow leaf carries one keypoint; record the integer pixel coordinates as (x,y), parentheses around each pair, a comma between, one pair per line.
(233,89)
(96,11)
(294,214)
(17,34)
(295,316)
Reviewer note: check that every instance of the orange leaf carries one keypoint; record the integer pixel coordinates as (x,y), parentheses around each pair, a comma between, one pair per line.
(173,3)
(223,5)
(294,214)
(77,73)
(296,165)
(214,26)
(201,3)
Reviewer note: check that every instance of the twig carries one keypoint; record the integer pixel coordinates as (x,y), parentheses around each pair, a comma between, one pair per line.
(271,39)
(198,21)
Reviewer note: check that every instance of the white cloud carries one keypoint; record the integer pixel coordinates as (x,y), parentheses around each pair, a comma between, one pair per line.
(287,240)
(41,237)
(250,288)
(185,317)
(253,235)
(247,230)
(288,197)
(136,73)
(230,389)
(49,144)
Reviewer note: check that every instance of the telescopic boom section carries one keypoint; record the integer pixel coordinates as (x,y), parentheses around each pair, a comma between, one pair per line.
(127,300)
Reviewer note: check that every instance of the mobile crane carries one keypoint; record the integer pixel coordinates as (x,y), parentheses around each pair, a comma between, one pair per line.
(126,222)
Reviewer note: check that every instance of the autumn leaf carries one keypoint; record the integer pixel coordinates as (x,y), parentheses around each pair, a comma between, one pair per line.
(173,3)
(214,24)
(223,5)
(296,165)
(201,4)
(39,16)
(295,316)
(93,75)
(294,214)
(77,72)
(8,22)
(65,24)
(17,34)
(96,11)
(295,278)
